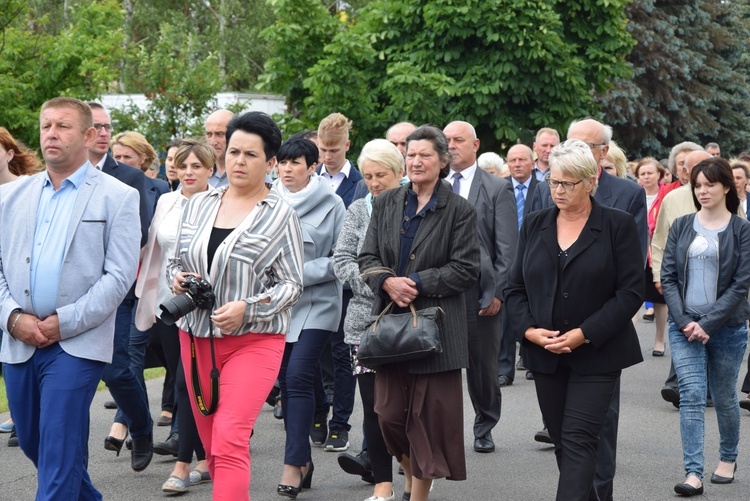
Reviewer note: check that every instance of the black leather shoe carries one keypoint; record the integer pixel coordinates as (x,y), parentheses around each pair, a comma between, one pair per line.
(529,375)
(357,465)
(745,403)
(718,479)
(543,436)
(484,444)
(110,404)
(671,395)
(169,447)
(503,381)
(113,444)
(143,451)
(688,490)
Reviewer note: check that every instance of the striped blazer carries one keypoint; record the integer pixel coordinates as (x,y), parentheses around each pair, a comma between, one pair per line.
(261,258)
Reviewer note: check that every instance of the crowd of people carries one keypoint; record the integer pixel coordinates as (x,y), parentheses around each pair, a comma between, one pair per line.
(253,269)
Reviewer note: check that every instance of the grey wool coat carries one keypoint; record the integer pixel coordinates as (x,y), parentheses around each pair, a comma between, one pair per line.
(445,254)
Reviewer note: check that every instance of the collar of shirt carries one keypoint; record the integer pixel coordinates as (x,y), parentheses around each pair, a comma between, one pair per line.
(526,183)
(412,202)
(100,164)
(345,170)
(76,178)
(467,176)
(539,173)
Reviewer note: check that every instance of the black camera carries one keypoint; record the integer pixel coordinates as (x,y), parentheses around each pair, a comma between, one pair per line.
(199,295)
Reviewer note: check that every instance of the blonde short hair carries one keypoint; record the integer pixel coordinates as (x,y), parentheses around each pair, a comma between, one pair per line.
(574,158)
(384,153)
(618,159)
(334,127)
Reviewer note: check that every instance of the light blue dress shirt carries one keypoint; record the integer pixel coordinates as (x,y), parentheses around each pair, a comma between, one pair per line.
(50,237)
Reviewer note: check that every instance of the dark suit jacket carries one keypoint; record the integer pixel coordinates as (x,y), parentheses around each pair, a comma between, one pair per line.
(348,185)
(612,192)
(496,227)
(156,188)
(135,179)
(445,254)
(601,289)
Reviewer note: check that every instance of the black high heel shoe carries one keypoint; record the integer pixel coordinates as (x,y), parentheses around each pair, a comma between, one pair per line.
(307,479)
(113,444)
(290,491)
(305,482)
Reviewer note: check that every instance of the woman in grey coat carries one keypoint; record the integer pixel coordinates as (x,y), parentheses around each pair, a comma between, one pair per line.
(317,313)
(382,166)
(428,235)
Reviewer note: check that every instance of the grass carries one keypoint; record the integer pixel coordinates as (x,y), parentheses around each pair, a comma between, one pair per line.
(148,374)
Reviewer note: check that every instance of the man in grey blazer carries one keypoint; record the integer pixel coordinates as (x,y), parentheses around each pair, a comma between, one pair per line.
(498,234)
(69,253)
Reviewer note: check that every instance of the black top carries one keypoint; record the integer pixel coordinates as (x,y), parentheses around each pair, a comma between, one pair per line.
(217,236)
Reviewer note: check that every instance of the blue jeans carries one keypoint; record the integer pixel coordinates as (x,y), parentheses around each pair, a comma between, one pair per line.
(124,385)
(296,378)
(137,344)
(722,357)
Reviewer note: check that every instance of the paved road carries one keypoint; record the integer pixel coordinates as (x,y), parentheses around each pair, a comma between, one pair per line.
(649,455)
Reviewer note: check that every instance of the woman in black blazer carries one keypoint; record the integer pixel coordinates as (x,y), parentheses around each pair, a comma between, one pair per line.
(428,236)
(576,282)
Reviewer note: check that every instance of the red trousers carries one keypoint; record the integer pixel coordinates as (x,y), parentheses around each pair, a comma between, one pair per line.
(248,367)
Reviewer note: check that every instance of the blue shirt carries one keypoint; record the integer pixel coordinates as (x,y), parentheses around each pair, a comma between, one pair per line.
(409,226)
(50,239)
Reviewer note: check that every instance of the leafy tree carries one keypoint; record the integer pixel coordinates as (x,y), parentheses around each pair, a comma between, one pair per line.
(178,81)
(76,59)
(508,66)
(689,80)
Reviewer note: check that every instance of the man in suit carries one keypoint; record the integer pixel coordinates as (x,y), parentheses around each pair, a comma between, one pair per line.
(123,376)
(522,185)
(216,135)
(69,254)
(342,176)
(629,197)
(546,139)
(498,234)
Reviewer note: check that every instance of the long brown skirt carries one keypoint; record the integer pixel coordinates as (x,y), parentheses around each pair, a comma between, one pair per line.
(421,416)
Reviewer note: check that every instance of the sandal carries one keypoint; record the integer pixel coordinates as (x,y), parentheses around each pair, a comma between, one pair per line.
(176,484)
(199,477)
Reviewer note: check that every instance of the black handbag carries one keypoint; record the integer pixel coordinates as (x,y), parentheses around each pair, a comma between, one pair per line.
(401,337)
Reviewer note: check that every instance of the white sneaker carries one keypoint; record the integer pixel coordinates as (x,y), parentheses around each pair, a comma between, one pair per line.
(392,497)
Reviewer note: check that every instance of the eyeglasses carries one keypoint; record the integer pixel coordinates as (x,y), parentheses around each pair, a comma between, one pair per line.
(594,145)
(567,185)
(107,127)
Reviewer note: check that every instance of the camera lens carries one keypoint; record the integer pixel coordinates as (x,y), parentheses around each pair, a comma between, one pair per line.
(176,308)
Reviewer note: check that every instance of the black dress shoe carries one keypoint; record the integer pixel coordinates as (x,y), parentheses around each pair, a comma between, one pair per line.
(542,436)
(688,490)
(143,451)
(169,447)
(503,381)
(745,403)
(13,439)
(484,444)
(357,465)
(718,479)
(110,404)
(671,395)
(529,375)
(113,444)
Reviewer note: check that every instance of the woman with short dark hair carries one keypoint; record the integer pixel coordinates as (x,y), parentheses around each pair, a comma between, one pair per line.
(246,242)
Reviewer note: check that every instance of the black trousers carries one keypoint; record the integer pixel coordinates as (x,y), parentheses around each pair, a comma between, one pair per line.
(506,359)
(188,439)
(380,458)
(574,407)
(481,376)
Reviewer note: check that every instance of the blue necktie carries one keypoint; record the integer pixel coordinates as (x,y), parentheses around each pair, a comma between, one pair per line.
(520,202)
(457,183)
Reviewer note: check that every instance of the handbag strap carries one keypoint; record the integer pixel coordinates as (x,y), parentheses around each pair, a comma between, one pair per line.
(388,308)
(378,270)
